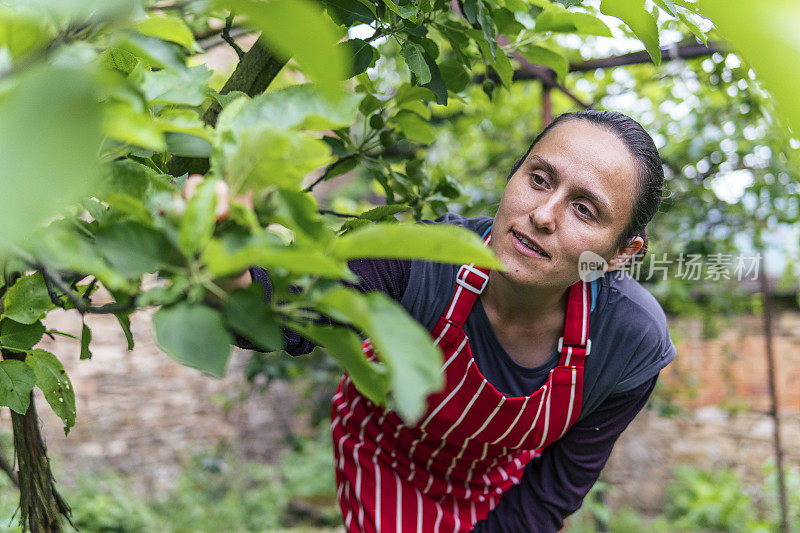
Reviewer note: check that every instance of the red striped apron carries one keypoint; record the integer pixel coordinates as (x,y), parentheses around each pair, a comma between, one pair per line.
(449,470)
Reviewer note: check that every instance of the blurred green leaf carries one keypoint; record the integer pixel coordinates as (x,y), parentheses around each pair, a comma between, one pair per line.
(633,13)
(187,145)
(184,86)
(267,156)
(194,336)
(20,336)
(298,106)
(406,11)
(414,127)
(65,249)
(767,35)
(371,378)
(22,31)
(360,53)
(16,383)
(52,379)
(224,262)
(248,314)
(349,12)
(34,116)
(435,242)
(27,301)
(123,123)
(541,55)
(556,18)
(298,28)
(198,221)
(167,28)
(133,249)
(401,343)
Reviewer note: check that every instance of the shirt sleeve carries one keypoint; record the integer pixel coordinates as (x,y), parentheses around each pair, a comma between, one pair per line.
(554,485)
(389,276)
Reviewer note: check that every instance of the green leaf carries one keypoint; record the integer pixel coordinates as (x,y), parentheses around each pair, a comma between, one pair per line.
(361,54)
(408,12)
(696,31)
(224,262)
(633,13)
(443,243)
(454,74)
(186,86)
(194,336)
(52,379)
(125,323)
(541,55)
(168,28)
(133,249)
(20,336)
(298,28)
(414,127)
(27,301)
(56,169)
(86,338)
(151,51)
(770,44)
(198,221)
(556,18)
(16,383)
(400,342)
(123,123)
(348,12)
(22,31)
(65,248)
(299,212)
(298,106)
(371,378)
(668,6)
(118,59)
(187,145)
(413,55)
(248,314)
(267,156)
(437,83)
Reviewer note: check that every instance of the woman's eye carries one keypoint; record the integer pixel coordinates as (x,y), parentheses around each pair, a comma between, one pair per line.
(585,211)
(536,179)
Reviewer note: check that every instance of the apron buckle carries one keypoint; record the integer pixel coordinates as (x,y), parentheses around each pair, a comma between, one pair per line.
(587,346)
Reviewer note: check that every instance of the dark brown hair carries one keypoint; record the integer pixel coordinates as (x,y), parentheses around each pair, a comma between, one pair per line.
(644,151)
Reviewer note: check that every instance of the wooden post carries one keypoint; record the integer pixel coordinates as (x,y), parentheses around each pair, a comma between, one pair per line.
(773,393)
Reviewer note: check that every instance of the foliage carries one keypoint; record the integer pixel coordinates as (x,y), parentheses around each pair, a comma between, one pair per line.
(710,500)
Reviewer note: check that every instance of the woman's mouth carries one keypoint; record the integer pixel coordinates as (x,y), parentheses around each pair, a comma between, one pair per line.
(528,247)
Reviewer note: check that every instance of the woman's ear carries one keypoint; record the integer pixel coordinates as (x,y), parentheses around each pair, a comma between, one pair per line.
(625,253)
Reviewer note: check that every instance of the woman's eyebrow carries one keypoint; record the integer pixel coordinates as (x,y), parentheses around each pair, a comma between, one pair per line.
(602,205)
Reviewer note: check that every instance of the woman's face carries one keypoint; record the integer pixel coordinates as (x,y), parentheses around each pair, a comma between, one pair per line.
(574,192)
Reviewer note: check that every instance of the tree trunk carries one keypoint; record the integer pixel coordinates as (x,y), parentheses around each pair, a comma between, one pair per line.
(41,506)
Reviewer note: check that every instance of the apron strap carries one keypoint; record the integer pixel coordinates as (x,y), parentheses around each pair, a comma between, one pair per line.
(470,282)
(575,345)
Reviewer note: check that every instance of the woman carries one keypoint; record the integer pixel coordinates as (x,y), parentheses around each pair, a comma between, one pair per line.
(543,370)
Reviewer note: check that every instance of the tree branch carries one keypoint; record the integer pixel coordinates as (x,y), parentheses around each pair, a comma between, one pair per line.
(255,71)
(226,36)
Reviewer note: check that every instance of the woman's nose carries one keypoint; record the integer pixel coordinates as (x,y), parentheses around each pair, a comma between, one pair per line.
(543,216)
